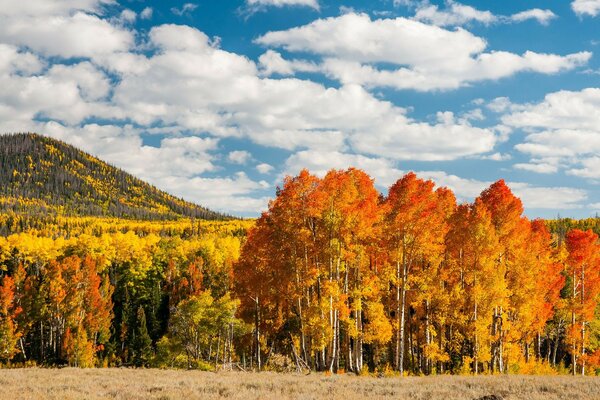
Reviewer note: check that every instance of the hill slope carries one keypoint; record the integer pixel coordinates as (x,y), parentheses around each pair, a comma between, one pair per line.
(43,175)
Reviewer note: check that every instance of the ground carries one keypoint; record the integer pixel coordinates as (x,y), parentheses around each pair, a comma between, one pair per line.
(69,383)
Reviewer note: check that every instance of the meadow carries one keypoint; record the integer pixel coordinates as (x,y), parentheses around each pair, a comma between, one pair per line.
(133,384)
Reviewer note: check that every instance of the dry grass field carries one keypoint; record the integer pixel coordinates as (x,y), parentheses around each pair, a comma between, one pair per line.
(132,384)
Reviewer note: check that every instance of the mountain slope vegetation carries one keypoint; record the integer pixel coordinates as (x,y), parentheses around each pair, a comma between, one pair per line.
(41,175)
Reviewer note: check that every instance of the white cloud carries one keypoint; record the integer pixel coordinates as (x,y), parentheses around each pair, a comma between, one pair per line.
(12,61)
(81,86)
(239,157)
(457,14)
(206,89)
(427,57)
(55,7)
(282,3)
(186,9)
(497,157)
(551,198)
(499,104)
(271,62)
(128,16)
(77,35)
(229,194)
(563,131)
(586,7)
(590,168)
(533,197)
(147,13)
(542,16)
(320,162)
(176,158)
(540,168)
(264,168)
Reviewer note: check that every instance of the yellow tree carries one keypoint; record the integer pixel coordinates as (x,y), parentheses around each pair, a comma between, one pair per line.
(473,249)
(415,224)
(583,269)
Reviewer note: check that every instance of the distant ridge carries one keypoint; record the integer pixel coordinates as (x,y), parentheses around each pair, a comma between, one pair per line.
(39,174)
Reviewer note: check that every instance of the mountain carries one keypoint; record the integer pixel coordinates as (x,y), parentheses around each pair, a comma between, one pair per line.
(42,175)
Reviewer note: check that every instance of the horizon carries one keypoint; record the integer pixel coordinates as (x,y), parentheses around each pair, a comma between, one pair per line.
(215,102)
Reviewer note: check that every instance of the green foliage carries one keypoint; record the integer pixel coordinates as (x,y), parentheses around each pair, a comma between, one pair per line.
(200,326)
(142,343)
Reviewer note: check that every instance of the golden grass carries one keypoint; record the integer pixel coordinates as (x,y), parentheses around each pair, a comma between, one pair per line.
(69,383)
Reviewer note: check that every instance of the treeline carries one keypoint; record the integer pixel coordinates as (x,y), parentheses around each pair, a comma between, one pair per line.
(561,226)
(339,277)
(333,277)
(44,176)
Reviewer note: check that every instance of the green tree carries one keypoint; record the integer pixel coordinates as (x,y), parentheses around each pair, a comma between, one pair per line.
(203,329)
(142,343)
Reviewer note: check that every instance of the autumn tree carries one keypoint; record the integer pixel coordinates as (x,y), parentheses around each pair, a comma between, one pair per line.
(9,334)
(416,218)
(583,269)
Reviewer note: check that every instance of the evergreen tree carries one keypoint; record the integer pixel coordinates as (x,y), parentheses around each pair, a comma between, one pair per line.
(142,343)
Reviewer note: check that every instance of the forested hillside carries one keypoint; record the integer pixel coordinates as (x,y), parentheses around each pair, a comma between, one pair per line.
(42,176)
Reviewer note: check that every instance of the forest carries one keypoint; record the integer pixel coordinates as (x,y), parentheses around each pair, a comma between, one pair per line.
(44,176)
(333,277)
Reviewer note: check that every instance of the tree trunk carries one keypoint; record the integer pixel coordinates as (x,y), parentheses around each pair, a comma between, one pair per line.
(256,335)
(582,322)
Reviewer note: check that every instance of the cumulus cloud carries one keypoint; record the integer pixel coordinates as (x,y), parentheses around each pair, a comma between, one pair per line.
(264,168)
(542,16)
(586,7)
(533,197)
(239,157)
(540,168)
(319,162)
(457,14)
(385,174)
(229,194)
(271,62)
(563,130)
(13,61)
(147,13)
(589,168)
(55,7)
(186,9)
(426,57)
(65,28)
(282,3)
(204,88)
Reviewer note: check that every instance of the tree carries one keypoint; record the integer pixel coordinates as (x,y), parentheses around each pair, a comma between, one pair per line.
(201,325)
(142,343)
(583,268)
(80,351)
(415,229)
(9,335)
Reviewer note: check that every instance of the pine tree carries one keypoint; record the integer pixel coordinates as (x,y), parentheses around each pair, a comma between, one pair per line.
(142,343)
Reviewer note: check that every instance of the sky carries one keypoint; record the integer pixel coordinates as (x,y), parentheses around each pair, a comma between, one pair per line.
(216,101)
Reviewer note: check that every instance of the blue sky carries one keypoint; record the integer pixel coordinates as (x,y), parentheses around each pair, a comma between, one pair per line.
(216,101)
